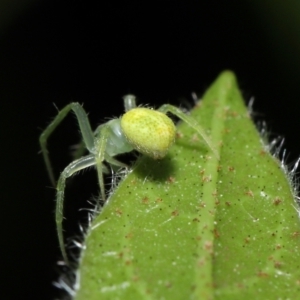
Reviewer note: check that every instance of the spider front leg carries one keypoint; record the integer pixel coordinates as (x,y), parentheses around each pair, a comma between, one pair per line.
(191,122)
(72,168)
(85,129)
(103,133)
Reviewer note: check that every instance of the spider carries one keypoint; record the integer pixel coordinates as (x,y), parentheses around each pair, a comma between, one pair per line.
(149,131)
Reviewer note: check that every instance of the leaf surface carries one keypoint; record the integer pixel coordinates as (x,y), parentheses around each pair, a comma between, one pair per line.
(191,226)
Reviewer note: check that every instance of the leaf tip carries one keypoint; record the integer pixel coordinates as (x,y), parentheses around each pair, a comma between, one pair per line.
(227,77)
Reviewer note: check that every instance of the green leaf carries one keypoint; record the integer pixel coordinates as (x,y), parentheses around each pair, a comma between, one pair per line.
(191,226)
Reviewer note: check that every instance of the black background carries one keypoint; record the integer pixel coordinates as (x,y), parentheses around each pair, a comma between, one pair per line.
(58,52)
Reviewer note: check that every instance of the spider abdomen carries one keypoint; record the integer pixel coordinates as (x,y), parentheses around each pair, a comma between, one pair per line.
(148,131)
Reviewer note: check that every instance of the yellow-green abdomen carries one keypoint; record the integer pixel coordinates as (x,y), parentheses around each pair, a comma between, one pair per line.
(148,131)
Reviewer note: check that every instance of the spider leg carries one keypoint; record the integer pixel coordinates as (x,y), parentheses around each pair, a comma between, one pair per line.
(72,168)
(85,129)
(102,135)
(100,147)
(191,122)
(114,161)
(81,148)
(129,102)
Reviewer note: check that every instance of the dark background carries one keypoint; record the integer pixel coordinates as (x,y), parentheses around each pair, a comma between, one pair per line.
(58,52)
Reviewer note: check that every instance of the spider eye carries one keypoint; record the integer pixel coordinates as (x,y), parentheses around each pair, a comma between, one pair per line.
(149,131)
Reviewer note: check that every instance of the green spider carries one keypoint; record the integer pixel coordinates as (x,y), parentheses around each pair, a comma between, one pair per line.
(149,131)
